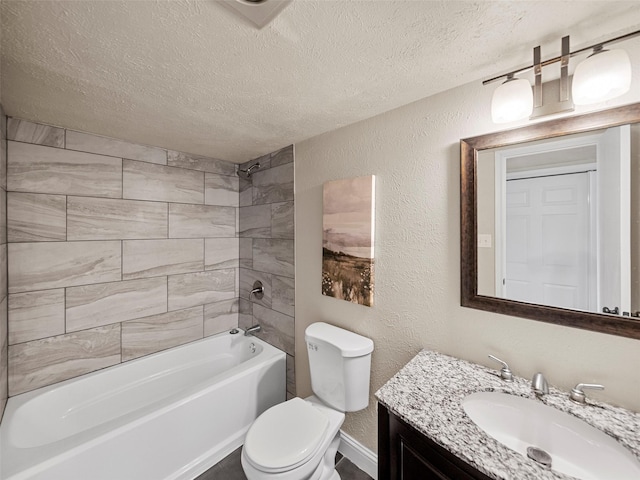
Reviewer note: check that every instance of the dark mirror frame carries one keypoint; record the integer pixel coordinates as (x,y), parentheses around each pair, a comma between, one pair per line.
(469,147)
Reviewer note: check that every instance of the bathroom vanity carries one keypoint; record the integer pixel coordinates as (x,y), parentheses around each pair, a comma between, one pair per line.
(424,431)
(405,453)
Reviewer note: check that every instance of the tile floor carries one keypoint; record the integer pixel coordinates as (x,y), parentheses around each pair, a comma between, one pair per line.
(230,469)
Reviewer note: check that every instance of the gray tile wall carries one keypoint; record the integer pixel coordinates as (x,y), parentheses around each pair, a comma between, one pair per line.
(266,252)
(4,336)
(115,251)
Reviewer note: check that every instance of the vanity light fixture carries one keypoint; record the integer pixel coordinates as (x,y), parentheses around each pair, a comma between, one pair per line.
(513,100)
(604,75)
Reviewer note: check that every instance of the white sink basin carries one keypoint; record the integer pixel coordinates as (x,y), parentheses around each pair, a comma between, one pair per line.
(576,448)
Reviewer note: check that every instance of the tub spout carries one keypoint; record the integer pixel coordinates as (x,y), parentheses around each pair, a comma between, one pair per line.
(252,330)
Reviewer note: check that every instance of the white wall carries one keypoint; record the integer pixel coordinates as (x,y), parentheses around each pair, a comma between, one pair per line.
(414,153)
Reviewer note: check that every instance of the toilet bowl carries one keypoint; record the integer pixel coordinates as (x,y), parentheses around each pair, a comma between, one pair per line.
(298,439)
(295,440)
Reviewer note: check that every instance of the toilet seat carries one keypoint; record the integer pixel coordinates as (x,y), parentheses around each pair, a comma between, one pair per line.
(285,436)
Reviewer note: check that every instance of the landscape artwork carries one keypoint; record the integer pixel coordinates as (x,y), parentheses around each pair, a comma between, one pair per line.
(347,239)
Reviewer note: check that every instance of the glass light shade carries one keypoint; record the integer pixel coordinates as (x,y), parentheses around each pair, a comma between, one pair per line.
(513,100)
(602,76)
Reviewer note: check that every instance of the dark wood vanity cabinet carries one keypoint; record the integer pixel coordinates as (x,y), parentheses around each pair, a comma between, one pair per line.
(406,454)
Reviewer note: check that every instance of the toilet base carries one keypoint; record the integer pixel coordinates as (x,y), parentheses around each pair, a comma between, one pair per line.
(329,461)
(326,469)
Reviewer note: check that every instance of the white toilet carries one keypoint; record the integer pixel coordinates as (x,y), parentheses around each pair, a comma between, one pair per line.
(298,439)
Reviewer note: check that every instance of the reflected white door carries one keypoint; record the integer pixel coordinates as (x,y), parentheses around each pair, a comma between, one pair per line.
(549,258)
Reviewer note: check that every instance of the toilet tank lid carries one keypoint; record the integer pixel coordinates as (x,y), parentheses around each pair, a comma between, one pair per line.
(350,344)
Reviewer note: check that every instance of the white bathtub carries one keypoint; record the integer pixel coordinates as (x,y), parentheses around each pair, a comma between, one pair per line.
(170,415)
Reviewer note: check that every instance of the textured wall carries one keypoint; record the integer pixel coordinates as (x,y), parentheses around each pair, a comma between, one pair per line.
(414,153)
(116,251)
(267,252)
(191,75)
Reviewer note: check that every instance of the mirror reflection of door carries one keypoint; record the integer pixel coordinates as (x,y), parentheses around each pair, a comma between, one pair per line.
(550,255)
(560,223)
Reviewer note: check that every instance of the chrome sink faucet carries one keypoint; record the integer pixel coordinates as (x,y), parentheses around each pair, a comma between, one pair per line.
(539,385)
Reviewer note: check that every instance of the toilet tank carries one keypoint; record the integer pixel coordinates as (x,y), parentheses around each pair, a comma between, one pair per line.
(340,366)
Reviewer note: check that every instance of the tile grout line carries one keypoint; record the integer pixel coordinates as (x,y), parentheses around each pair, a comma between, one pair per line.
(97,197)
(127,280)
(121,328)
(66,218)
(133,239)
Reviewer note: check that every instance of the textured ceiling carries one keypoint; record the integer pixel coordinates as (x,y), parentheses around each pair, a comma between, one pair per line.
(195,77)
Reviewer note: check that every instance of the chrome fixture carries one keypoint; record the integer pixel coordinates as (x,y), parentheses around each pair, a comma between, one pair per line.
(505,373)
(233,331)
(252,330)
(258,12)
(247,172)
(539,385)
(538,455)
(257,291)
(577,394)
(601,76)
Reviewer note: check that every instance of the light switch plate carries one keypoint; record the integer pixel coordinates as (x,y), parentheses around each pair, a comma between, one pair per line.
(484,240)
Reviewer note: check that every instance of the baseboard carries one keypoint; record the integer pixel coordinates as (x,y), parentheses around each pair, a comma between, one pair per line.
(359,455)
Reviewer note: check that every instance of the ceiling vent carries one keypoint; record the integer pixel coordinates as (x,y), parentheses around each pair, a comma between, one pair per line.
(258,12)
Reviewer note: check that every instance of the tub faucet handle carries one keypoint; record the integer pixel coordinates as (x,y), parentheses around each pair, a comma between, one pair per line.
(257,290)
(577,393)
(505,372)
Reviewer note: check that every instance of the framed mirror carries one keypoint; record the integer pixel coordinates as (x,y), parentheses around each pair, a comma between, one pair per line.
(550,221)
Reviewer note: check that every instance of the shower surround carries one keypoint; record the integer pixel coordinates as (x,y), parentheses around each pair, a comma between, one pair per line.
(116,251)
(267,252)
(3,262)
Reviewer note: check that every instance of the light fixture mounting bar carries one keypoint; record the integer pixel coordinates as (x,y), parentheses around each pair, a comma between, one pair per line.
(564,70)
(537,68)
(563,56)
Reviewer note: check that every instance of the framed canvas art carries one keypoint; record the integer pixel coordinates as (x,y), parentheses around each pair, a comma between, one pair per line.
(348,218)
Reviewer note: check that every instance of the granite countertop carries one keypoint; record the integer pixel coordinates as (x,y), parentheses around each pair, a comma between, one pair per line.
(427,394)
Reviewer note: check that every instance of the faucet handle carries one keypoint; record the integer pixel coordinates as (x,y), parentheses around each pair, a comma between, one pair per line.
(257,290)
(505,373)
(577,394)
